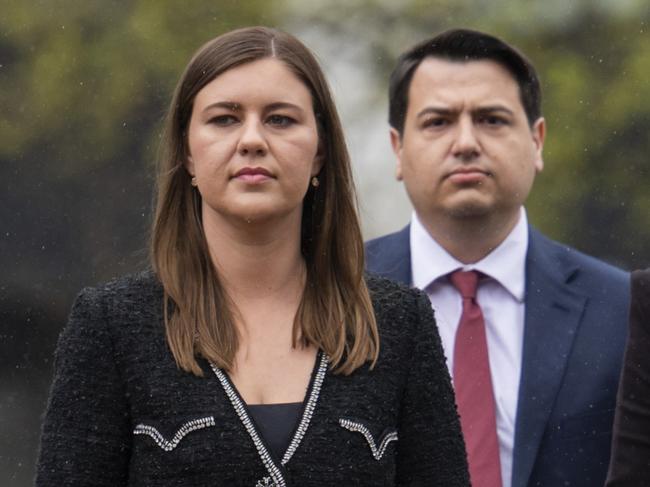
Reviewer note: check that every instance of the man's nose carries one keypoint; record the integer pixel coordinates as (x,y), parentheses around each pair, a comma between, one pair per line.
(252,140)
(466,144)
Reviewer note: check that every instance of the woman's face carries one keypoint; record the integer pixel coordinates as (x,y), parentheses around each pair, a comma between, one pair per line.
(253,143)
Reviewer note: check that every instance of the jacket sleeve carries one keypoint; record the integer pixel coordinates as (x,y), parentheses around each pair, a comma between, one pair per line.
(630,461)
(431,450)
(86,433)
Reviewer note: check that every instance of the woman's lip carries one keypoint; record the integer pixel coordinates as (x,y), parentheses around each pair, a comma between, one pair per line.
(253,171)
(253,178)
(253,175)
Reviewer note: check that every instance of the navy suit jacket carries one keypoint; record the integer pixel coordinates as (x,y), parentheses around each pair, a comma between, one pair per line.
(574,336)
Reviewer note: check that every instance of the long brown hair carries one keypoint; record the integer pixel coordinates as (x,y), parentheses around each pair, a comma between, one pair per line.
(335,313)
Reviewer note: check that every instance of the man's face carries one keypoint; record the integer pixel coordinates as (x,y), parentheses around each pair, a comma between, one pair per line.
(467,150)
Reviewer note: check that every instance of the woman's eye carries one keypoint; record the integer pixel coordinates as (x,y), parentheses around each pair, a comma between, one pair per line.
(223,120)
(280,120)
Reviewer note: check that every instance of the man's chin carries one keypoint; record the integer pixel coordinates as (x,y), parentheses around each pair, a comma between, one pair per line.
(469,210)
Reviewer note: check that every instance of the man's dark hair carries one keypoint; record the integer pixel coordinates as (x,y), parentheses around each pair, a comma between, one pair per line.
(463,45)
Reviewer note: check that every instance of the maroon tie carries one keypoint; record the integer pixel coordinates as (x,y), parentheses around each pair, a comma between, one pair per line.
(473,386)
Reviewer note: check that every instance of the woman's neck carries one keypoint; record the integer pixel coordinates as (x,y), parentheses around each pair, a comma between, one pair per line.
(255,260)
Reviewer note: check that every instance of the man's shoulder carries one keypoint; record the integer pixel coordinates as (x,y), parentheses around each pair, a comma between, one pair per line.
(390,256)
(580,266)
(388,242)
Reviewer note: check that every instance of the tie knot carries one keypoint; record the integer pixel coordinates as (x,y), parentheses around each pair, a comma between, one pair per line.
(465,282)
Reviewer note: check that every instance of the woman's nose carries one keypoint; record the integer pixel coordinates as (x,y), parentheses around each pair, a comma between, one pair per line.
(252,140)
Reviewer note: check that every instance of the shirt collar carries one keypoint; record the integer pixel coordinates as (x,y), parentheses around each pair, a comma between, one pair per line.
(505,264)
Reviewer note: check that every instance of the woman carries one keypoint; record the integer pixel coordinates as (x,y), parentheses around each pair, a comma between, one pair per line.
(255,354)
(630,461)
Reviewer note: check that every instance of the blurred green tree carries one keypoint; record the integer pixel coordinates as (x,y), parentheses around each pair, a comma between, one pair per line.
(84,85)
(594,62)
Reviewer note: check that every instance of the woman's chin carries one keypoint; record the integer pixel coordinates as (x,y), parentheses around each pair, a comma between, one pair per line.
(261,215)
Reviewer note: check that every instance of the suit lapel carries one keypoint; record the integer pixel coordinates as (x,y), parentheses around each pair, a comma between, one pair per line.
(552,317)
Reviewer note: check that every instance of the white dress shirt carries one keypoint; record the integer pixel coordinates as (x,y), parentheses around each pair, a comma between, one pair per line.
(501,298)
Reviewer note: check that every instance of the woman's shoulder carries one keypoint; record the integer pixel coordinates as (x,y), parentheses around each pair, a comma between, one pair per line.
(120,296)
(100,312)
(399,308)
(136,286)
(407,327)
(386,293)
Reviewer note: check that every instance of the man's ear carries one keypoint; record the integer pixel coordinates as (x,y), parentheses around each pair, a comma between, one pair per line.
(538,132)
(396,143)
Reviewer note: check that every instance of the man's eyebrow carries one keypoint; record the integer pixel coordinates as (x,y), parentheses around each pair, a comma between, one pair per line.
(449,111)
(493,109)
(436,111)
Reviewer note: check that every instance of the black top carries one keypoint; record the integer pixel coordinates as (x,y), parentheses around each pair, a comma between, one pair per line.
(630,462)
(276,422)
(121,413)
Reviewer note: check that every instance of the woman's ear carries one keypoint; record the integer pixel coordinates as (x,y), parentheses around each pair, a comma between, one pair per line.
(189,166)
(319,160)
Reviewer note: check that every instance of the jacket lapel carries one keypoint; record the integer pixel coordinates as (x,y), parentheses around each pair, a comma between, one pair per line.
(553,313)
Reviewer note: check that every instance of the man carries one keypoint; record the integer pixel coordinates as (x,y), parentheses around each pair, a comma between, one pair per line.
(533,330)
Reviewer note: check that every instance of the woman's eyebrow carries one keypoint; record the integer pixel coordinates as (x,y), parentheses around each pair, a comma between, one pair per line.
(228,105)
(282,105)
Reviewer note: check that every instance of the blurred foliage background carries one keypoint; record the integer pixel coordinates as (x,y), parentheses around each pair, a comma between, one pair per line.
(84,86)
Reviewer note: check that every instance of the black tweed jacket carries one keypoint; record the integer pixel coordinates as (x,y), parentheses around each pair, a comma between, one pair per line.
(121,413)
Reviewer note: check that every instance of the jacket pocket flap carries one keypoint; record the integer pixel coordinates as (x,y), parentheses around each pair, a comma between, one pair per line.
(184,430)
(359,426)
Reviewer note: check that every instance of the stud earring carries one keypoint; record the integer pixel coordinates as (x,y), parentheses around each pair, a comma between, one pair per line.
(193,182)
(315,182)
